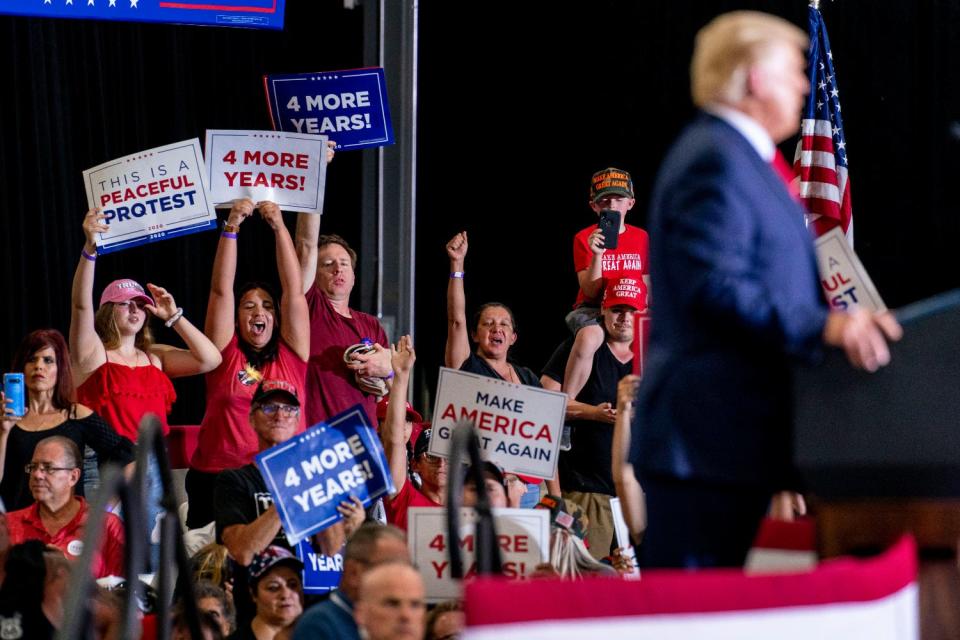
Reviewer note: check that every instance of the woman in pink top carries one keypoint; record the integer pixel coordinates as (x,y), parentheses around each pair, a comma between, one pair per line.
(251,348)
(119,371)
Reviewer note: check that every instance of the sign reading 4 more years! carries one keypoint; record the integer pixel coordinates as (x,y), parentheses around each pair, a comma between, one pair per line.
(312,473)
(149,196)
(518,427)
(348,106)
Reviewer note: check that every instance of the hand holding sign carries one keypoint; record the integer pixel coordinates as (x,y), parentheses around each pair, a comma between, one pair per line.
(93,223)
(270,213)
(863,336)
(241,209)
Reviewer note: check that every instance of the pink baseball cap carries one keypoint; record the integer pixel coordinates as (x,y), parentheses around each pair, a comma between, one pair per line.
(123,290)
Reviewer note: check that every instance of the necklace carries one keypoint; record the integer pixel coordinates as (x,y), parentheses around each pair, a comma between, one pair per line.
(125,361)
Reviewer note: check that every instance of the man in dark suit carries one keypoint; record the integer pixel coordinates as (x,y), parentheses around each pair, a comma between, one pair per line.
(736,298)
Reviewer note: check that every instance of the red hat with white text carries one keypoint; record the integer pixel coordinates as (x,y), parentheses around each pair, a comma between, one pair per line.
(123,290)
(631,292)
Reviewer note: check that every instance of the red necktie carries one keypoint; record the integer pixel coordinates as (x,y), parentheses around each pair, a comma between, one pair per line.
(785,171)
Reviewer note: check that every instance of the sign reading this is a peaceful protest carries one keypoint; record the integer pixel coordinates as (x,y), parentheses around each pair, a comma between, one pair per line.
(523,536)
(312,473)
(846,284)
(518,427)
(152,195)
(348,106)
(285,168)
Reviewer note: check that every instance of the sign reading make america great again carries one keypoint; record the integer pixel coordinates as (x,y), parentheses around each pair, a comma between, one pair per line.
(518,427)
(254,14)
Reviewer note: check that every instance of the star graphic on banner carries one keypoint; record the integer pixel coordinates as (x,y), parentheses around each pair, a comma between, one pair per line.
(822,85)
(819,104)
(133,4)
(829,78)
(47,1)
(841,145)
(822,66)
(830,55)
(90,3)
(835,92)
(836,131)
(113,3)
(69,2)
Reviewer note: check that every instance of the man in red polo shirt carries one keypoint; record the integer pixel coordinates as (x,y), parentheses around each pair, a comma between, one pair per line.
(58,516)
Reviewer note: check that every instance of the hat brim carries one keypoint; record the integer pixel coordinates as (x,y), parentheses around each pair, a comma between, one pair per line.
(293,563)
(612,191)
(279,392)
(122,297)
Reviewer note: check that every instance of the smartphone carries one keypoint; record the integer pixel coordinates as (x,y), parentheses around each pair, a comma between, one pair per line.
(13,390)
(610,225)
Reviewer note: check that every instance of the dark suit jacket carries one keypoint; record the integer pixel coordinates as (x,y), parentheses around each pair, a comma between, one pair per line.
(735,298)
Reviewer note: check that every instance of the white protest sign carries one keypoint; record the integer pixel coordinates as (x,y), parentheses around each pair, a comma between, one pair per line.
(518,427)
(152,195)
(289,169)
(845,282)
(523,536)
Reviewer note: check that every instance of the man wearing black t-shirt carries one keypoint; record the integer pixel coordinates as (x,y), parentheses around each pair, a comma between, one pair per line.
(247,521)
(585,470)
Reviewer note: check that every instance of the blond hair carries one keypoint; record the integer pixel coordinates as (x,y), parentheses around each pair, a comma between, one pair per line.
(106,327)
(726,47)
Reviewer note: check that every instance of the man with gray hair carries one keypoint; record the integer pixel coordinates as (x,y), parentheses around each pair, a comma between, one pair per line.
(372,544)
(734,275)
(58,516)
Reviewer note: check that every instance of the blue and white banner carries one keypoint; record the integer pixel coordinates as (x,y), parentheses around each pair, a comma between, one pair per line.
(310,474)
(152,195)
(320,573)
(258,14)
(350,107)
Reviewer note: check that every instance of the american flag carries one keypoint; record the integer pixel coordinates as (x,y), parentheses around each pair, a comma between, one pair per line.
(821,159)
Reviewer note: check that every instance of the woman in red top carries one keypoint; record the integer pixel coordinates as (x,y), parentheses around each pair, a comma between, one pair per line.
(251,348)
(119,371)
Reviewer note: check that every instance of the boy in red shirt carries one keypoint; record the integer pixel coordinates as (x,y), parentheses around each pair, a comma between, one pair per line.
(609,189)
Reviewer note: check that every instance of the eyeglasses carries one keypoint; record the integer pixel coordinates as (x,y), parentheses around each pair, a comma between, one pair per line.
(433,461)
(285,409)
(44,468)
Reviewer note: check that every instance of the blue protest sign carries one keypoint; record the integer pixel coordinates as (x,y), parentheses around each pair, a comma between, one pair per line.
(259,14)
(320,573)
(310,474)
(350,107)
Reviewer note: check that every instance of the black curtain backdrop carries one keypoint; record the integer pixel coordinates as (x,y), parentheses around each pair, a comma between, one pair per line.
(79,93)
(519,104)
(540,95)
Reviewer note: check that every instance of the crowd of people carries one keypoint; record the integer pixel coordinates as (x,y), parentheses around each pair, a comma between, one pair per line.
(735,298)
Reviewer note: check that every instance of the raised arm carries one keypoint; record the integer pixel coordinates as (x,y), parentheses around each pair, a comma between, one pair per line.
(591,278)
(393,428)
(86,349)
(308,230)
(458,341)
(220,325)
(294,314)
(200,356)
(624,481)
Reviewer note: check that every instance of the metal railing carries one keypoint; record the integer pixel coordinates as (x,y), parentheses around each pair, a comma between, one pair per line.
(463,443)
(133,494)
